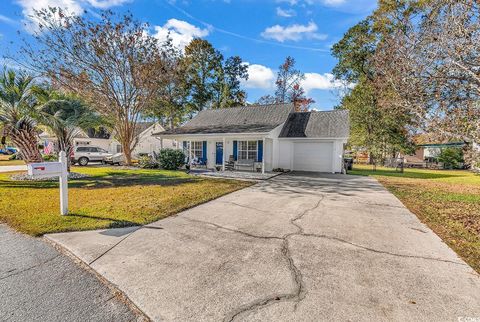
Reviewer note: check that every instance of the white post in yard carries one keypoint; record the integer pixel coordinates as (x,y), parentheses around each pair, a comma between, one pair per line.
(63,179)
(190,152)
(263,156)
(223,154)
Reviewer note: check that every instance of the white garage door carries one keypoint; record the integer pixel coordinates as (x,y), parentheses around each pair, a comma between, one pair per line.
(312,156)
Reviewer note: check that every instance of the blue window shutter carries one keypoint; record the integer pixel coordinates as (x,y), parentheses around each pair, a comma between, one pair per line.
(204,152)
(235,150)
(260,151)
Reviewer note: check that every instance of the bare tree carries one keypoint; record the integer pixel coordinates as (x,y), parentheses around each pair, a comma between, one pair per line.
(112,64)
(288,79)
(429,62)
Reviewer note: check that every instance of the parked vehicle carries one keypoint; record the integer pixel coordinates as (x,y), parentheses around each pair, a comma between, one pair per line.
(8,150)
(85,154)
(118,158)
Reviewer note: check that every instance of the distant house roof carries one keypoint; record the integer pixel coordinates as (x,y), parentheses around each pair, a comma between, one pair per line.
(245,119)
(328,124)
(442,145)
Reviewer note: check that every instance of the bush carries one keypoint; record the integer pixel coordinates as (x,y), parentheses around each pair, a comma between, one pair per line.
(147,162)
(451,157)
(170,159)
(50,157)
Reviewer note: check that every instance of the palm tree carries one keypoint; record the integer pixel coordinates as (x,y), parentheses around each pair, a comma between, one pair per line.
(64,115)
(16,102)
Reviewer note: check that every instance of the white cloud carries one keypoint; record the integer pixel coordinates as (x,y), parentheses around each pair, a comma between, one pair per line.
(30,6)
(290,2)
(72,7)
(8,20)
(259,76)
(181,32)
(293,32)
(332,3)
(287,13)
(104,4)
(324,81)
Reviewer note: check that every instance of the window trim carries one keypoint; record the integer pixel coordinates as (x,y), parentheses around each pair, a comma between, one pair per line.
(239,149)
(191,147)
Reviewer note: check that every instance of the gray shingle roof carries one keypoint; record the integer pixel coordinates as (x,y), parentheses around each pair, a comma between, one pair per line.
(328,124)
(246,119)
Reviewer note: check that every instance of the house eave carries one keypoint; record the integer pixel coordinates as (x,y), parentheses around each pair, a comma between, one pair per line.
(313,138)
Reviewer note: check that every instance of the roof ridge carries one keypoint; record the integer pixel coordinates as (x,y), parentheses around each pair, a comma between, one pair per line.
(330,111)
(247,106)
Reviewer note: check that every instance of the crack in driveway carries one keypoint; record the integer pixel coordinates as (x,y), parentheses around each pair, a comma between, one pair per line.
(299,292)
(379,251)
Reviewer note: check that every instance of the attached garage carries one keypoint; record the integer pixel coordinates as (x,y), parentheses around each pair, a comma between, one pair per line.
(313,156)
(313,141)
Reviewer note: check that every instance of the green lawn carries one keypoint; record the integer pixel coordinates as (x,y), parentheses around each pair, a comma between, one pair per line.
(447,201)
(108,198)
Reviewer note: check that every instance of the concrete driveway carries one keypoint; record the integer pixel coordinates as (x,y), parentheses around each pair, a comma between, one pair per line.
(298,247)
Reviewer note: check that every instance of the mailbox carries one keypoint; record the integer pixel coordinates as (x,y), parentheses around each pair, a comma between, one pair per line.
(54,169)
(45,169)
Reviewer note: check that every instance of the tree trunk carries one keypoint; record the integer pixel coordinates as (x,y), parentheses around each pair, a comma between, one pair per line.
(126,136)
(128,153)
(26,141)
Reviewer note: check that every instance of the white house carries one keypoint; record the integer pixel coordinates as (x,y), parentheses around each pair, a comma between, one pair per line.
(266,137)
(147,143)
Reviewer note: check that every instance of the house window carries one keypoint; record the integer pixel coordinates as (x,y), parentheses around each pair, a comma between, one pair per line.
(247,150)
(197,149)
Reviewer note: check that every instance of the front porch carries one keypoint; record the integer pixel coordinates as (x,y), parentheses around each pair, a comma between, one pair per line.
(248,152)
(238,175)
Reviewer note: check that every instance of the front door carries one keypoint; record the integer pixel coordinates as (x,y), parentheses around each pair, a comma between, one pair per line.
(219,153)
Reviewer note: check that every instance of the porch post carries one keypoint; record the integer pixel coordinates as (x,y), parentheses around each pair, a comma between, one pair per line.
(263,155)
(190,152)
(223,154)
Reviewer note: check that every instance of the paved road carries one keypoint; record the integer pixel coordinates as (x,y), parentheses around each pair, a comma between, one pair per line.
(10,168)
(294,248)
(37,283)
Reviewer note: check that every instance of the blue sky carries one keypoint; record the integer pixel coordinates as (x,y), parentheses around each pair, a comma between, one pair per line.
(262,32)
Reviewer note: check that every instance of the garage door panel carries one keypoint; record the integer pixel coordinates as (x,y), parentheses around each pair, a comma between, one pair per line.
(312,156)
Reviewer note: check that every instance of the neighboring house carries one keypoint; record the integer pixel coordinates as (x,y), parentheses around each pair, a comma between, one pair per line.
(269,136)
(147,143)
(431,151)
